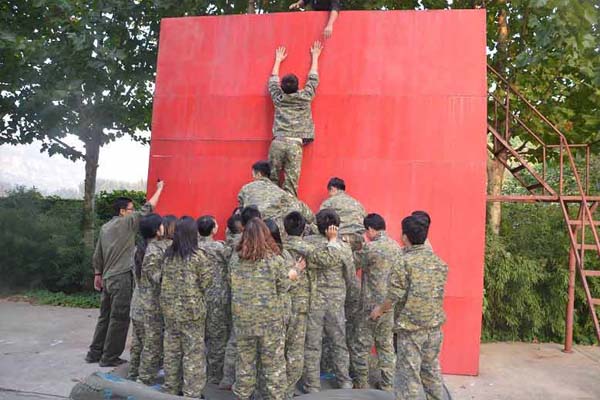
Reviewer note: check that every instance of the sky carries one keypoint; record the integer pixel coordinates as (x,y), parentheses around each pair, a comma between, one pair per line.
(122,160)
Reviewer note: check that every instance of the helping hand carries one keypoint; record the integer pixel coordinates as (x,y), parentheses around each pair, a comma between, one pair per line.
(332,233)
(296,5)
(316,49)
(328,31)
(376,313)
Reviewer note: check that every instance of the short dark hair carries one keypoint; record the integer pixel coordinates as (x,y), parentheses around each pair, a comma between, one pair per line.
(374,221)
(414,229)
(325,218)
(206,224)
(289,84)
(294,223)
(337,183)
(422,216)
(250,212)
(149,226)
(121,203)
(232,223)
(262,167)
(169,222)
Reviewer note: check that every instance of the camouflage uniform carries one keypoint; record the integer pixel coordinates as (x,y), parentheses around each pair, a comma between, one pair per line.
(258,324)
(137,333)
(293,125)
(231,242)
(149,296)
(352,215)
(184,283)
(272,201)
(218,308)
(416,288)
(296,328)
(113,258)
(376,260)
(329,262)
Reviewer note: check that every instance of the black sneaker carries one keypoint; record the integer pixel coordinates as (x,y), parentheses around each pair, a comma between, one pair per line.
(112,363)
(91,359)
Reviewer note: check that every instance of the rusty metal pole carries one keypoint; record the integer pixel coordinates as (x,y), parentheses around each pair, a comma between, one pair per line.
(570,303)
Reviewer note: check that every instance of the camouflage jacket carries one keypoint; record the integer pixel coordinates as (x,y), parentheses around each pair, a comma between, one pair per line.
(145,298)
(272,201)
(350,211)
(376,260)
(416,288)
(333,266)
(183,288)
(306,283)
(216,252)
(255,294)
(293,114)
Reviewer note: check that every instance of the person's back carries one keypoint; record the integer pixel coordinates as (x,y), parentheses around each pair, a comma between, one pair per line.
(293,123)
(427,274)
(149,282)
(350,211)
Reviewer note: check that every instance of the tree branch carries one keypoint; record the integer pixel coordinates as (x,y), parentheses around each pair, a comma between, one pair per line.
(69,149)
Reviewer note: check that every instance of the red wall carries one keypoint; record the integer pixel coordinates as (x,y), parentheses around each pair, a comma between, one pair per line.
(400,114)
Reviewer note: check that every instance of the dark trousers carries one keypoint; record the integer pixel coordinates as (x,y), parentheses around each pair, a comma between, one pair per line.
(112,326)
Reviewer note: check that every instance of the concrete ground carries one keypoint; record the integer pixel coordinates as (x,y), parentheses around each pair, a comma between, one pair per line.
(42,350)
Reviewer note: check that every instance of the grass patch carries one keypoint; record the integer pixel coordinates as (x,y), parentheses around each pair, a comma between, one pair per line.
(46,297)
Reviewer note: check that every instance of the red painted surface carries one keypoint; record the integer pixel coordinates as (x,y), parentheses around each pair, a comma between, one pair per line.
(400,114)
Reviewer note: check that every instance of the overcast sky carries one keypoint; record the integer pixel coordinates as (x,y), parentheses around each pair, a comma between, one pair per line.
(121,160)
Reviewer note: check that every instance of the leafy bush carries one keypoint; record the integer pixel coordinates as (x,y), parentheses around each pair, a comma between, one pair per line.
(79,300)
(41,240)
(526,278)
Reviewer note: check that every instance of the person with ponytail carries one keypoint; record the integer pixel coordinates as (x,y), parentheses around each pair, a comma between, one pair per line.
(258,274)
(147,255)
(186,276)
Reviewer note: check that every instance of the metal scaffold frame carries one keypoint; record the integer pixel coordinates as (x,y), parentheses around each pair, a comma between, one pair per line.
(507,119)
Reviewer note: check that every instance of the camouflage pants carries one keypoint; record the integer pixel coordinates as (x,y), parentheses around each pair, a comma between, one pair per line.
(217,333)
(152,349)
(269,350)
(113,323)
(185,361)
(230,360)
(295,337)
(137,344)
(332,322)
(380,333)
(286,155)
(353,314)
(418,373)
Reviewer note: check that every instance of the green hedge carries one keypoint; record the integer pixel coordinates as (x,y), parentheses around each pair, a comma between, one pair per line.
(41,240)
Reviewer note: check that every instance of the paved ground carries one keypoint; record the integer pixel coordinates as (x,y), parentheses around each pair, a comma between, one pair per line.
(42,350)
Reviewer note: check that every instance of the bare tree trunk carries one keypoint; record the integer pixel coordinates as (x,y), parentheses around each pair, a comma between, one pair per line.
(495,168)
(92,151)
(251,7)
(495,181)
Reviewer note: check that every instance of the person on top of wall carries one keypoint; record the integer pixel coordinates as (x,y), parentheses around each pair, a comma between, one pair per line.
(112,262)
(293,123)
(322,5)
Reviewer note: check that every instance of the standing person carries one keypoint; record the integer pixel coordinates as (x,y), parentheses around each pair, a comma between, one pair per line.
(416,289)
(151,230)
(217,301)
(327,315)
(149,295)
(376,259)
(295,337)
(293,124)
(322,5)
(258,274)
(112,263)
(185,278)
(351,213)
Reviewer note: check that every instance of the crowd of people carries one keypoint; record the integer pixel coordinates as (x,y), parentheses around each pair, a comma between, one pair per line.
(252,313)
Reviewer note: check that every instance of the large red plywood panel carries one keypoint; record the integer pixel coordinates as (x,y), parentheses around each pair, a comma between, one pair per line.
(400,114)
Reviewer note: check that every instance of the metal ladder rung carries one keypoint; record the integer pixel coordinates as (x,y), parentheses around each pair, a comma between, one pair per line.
(587,246)
(596,302)
(577,222)
(517,169)
(588,272)
(534,186)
